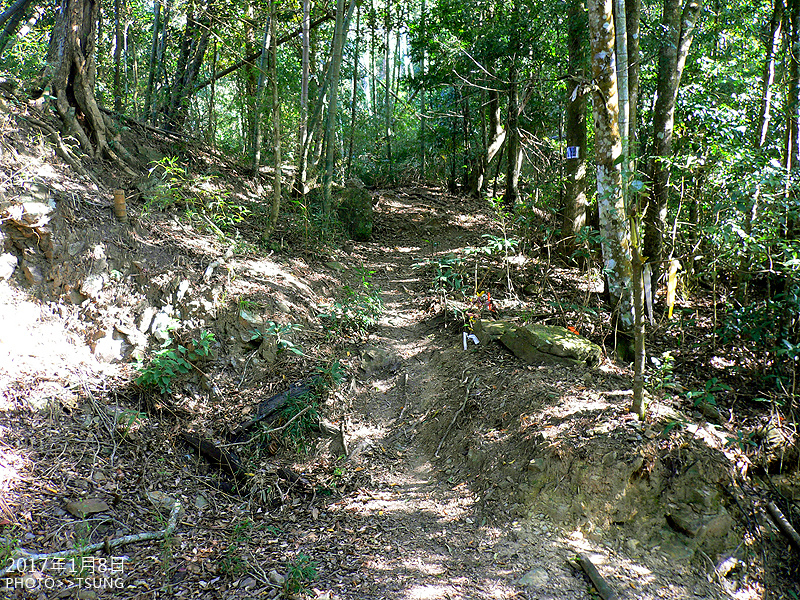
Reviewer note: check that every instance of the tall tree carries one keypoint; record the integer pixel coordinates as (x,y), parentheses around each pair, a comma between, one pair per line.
(70,74)
(608,150)
(276,120)
(339,35)
(575,202)
(514,148)
(678,32)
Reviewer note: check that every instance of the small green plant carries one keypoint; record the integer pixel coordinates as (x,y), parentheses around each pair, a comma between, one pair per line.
(741,441)
(231,564)
(9,543)
(498,245)
(359,310)
(660,374)
(448,272)
(129,421)
(171,362)
(172,183)
(242,531)
(676,424)
(272,329)
(706,396)
(300,574)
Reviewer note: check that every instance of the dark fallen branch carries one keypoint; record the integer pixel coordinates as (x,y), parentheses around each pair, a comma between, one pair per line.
(603,589)
(269,408)
(783,525)
(227,462)
(295,480)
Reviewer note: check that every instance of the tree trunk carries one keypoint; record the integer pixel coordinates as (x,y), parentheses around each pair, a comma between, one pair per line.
(259,96)
(633,10)
(387,104)
(117,56)
(71,75)
(423,24)
(575,203)
(513,153)
(299,186)
(276,121)
(194,43)
(679,27)
(148,96)
(608,149)
(330,122)
(792,149)
(495,138)
(354,97)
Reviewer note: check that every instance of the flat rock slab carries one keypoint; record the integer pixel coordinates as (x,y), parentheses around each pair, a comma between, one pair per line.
(538,344)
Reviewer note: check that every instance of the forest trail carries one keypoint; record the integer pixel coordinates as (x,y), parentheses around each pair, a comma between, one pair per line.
(420,530)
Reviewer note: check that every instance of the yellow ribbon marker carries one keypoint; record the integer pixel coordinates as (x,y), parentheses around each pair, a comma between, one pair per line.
(672,284)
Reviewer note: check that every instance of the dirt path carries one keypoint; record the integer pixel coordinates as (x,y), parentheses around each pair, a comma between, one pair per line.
(414,532)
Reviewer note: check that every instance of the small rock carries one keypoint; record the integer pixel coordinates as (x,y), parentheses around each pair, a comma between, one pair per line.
(161,325)
(276,577)
(335,266)
(85,594)
(200,502)
(32,273)
(76,248)
(161,500)
(108,349)
(87,507)
(146,319)
(8,263)
(537,577)
(183,287)
(248,583)
(93,285)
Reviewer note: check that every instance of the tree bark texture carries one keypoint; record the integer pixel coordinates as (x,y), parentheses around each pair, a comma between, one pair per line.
(614,229)
(71,74)
(276,121)
(330,122)
(679,27)
(575,202)
(633,10)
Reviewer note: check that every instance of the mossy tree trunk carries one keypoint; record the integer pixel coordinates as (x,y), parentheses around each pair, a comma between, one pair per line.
(614,228)
(575,202)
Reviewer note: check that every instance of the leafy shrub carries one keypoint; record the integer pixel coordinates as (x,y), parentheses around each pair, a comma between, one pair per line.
(170,362)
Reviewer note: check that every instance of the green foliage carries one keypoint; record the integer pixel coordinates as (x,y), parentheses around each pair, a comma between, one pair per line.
(741,441)
(448,272)
(358,310)
(129,421)
(231,564)
(171,362)
(8,545)
(707,395)
(272,329)
(660,374)
(205,203)
(300,574)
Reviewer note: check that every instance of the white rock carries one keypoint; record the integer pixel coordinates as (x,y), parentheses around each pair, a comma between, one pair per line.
(8,263)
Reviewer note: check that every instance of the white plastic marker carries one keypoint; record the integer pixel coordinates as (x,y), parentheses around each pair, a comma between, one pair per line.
(470,336)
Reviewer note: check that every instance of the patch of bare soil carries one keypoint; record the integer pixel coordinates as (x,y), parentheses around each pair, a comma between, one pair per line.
(436,471)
